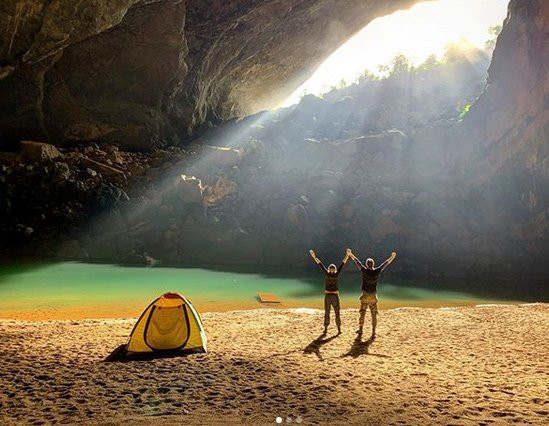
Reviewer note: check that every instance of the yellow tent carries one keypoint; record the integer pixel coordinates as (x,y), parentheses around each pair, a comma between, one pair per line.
(169,323)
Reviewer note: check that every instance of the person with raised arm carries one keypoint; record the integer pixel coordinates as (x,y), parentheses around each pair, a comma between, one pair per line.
(331,290)
(370,276)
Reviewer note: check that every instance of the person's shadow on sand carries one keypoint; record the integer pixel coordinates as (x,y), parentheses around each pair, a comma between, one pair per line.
(360,347)
(315,345)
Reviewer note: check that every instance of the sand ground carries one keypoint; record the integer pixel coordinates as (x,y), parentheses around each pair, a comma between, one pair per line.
(467,365)
(129,308)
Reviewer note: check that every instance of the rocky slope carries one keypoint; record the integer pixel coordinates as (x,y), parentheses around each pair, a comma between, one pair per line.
(143,73)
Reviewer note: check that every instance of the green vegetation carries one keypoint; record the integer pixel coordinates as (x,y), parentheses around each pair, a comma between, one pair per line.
(368,75)
(430,63)
(342,84)
(400,65)
(494,32)
(464,111)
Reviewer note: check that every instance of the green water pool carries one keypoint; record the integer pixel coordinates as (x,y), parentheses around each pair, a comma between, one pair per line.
(73,289)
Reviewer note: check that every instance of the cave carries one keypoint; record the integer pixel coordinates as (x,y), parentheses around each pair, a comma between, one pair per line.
(460,196)
(216,151)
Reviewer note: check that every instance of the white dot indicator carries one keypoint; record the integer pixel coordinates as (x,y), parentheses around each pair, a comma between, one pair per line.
(278,420)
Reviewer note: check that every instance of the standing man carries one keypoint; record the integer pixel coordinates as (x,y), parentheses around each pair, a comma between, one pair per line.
(331,292)
(370,275)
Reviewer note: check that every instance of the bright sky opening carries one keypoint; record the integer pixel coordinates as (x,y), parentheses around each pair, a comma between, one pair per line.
(418,32)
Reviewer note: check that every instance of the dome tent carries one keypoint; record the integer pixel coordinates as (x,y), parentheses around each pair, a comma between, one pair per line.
(169,323)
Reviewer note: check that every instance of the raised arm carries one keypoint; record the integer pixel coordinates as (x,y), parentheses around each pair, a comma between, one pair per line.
(358,263)
(384,265)
(318,261)
(344,261)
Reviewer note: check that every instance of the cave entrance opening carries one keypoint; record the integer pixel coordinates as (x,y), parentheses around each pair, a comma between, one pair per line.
(400,72)
(426,35)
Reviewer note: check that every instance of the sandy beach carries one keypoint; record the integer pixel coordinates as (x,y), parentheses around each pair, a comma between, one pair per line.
(133,308)
(461,365)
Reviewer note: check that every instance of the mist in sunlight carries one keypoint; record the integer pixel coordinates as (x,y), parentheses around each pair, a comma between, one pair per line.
(418,32)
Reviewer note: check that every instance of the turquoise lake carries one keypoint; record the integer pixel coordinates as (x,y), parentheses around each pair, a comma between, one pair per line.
(83,290)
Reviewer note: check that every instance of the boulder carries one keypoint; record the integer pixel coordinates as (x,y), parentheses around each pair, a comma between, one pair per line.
(219,192)
(221,157)
(39,151)
(113,154)
(61,170)
(102,168)
(190,189)
(90,172)
(109,196)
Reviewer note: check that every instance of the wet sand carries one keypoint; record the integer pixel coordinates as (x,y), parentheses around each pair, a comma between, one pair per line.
(466,365)
(133,308)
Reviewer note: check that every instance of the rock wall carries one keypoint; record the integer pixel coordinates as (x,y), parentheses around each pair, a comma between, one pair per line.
(143,73)
(502,149)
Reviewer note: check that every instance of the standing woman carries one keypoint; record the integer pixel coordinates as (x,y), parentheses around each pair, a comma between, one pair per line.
(331,292)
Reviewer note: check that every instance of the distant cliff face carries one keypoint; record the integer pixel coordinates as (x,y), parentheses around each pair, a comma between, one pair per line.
(512,115)
(502,149)
(141,73)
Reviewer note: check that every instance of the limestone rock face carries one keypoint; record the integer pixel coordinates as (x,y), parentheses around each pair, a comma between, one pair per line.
(503,148)
(141,73)
(114,86)
(34,35)
(245,56)
(508,120)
